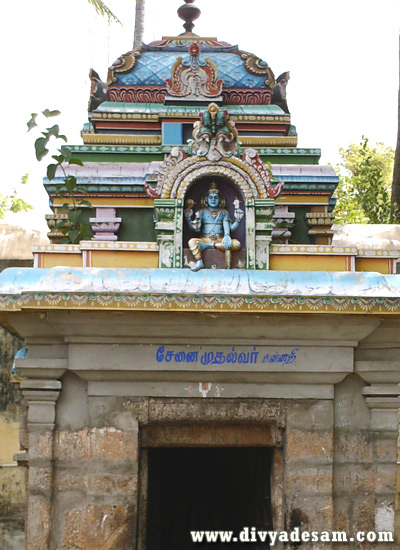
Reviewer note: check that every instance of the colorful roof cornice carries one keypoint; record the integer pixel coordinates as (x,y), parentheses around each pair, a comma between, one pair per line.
(208,290)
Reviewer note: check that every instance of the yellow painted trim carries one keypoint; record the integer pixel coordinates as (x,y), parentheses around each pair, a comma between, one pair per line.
(57,248)
(136,258)
(187,303)
(278,262)
(271,119)
(126,202)
(379,253)
(119,246)
(301,200)
(49,260)
(127,246)
(313,249)
(120,139)
(380,265)
(287,141)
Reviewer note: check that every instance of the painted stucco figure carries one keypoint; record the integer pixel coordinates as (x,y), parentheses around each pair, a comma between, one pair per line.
(214,135)
(214,224)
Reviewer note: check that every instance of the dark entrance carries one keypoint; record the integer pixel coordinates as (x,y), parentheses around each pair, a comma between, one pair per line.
(223,489)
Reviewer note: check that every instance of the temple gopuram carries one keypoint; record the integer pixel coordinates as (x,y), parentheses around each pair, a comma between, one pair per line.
(206,359)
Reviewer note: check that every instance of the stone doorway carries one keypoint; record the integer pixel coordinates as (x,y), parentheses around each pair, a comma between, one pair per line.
(206,489)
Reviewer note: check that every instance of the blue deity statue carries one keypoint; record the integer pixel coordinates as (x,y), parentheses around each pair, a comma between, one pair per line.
(214,224)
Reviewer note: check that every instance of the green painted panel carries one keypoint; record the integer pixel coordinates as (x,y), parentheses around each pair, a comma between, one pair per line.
(160,109)
(279,159)
(117,157)
(137,224)
(300,228)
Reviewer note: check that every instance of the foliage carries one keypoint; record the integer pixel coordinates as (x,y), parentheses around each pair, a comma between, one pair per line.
(14,203)
(363,193)
(396,168)
(103,10)
(73,228)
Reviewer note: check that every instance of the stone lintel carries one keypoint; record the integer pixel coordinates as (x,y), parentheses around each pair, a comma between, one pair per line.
(210,435)
(204,389)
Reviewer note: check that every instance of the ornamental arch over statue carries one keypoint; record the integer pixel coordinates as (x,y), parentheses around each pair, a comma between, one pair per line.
(214,154)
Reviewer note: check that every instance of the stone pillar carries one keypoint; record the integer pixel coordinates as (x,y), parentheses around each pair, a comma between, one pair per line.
(384,403)
(308,460)
(264,210)
(168,228)
(41,396)
(250,234)
(353,481)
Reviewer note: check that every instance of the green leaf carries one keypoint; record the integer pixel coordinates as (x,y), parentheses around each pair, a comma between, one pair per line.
(73,216)
(59,158)
(49,114)
(75,161)
(66,151)
(70,183)
(40,148)
(51,171)
(25,179)
(73,235)
(54,130)
(85,203)
(32,122)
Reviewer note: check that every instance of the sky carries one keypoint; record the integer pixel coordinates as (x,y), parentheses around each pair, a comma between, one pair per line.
(343,58)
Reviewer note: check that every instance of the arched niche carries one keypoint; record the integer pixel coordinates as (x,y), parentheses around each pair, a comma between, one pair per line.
(248,176)
(197,190)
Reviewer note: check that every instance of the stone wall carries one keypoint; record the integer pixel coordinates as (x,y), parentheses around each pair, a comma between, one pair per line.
(101,397)
(12,477)
(84,491)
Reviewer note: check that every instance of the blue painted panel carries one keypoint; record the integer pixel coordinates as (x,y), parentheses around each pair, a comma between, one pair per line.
(172,133)
(153,68)
(207,281)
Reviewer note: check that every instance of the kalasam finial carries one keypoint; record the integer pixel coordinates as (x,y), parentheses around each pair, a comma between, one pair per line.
(189,13)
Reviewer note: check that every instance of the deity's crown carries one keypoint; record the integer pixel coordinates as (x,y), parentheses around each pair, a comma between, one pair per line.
(213,188)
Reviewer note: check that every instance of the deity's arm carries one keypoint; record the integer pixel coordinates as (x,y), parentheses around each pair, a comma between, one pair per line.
(227,241)
(227,226)
(235,225)
(195,225)
(238,218)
